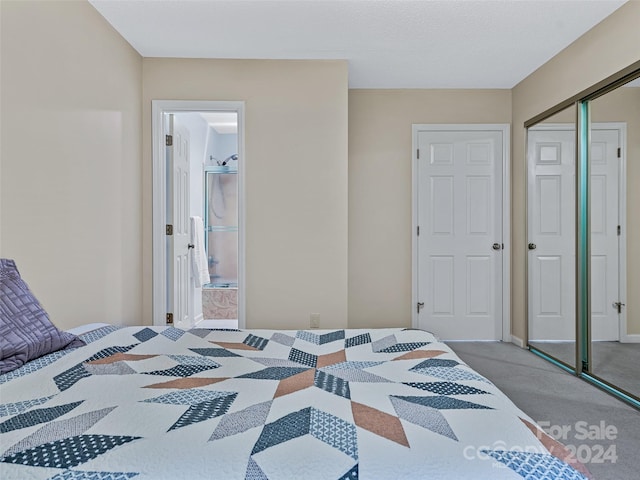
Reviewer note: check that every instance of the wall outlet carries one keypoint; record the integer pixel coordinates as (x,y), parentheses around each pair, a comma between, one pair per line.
(314,321)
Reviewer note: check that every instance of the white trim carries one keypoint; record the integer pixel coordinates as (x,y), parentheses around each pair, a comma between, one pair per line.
(622,241)
(517,341)
(415,128)
(506,232)
(505,130)
(89,327)
(159,194)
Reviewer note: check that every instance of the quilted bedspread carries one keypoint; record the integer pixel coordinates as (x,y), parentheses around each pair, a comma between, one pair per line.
(163,403)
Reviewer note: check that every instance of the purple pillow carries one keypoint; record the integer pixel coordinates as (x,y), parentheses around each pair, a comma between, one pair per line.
(25,329)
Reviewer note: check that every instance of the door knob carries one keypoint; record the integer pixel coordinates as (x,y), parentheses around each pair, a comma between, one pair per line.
(496,246)
(532,246)
(190,246)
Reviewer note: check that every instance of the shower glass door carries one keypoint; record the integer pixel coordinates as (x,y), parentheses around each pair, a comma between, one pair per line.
(222,225)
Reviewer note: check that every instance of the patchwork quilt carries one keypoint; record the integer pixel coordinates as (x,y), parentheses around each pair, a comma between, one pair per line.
(163,403)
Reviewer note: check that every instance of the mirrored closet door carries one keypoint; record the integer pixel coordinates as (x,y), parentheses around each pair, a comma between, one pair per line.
(583,234)
(551,228)
(614,197)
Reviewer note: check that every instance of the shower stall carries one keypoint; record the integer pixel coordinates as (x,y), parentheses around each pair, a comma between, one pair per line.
(220,295)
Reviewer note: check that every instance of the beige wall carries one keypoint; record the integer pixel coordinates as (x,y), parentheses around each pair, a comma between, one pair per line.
(607,48)
(380,189)
(71,140)
(75,203)
(296,179)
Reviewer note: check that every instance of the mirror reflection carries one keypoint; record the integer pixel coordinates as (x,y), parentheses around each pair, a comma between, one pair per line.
(614,157)
(551,228)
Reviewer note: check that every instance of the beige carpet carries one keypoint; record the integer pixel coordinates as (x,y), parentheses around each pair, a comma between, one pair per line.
(555,398)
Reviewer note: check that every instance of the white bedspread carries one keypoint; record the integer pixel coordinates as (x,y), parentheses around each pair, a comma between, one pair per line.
(160,403)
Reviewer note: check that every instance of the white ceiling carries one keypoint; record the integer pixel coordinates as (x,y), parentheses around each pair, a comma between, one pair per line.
(388,43)
(222,122)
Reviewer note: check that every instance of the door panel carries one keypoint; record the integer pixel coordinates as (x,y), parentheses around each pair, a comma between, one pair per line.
(442,282)
(478,274)
(459,203)
(550,281)
(478,205)
(441,205)
(549,194)
(551,231)
(180,283)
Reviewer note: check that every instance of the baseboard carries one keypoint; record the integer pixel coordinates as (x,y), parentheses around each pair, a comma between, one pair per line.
(82,329)
(517,341)
(630,338)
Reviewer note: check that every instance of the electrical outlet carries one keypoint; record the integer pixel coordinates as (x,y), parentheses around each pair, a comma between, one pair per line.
(314,321)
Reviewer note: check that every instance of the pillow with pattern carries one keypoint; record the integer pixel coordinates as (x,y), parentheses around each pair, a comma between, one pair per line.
(26,332)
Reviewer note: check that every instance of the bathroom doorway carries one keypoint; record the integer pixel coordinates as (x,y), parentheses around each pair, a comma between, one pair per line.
(214,183)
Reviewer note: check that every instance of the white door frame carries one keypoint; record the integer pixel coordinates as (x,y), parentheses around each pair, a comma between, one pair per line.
(622,215)
(159,203)
(506,216)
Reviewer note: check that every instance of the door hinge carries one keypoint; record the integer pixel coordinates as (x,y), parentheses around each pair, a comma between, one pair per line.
(619,152)
(419,306)
(619,230)
(418,230)
(169,317)
(418,153)
(169,230)
(168,140)
(618,306)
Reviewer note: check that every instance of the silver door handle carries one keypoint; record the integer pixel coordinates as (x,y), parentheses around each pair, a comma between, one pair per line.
(532,246)
(496,246)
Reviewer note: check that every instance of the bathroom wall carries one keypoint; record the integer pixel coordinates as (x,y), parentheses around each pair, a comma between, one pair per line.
(220,145)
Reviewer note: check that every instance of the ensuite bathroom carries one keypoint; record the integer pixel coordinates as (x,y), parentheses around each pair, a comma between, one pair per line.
(213,164)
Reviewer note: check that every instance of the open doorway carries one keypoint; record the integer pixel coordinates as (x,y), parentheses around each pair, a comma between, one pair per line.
(198,214)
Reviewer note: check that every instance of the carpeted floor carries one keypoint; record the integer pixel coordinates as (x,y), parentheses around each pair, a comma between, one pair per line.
(615,362)
(559,400)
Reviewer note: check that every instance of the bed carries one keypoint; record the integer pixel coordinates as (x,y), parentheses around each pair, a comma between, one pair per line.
(155,403)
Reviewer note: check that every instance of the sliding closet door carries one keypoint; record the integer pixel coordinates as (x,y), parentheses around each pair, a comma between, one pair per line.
(583,234)
(613,355)
(551,223)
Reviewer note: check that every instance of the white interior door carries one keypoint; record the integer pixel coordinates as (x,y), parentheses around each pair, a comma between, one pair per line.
(551,229)
(605,165)
(551,232)
(179,268)
(459,213)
